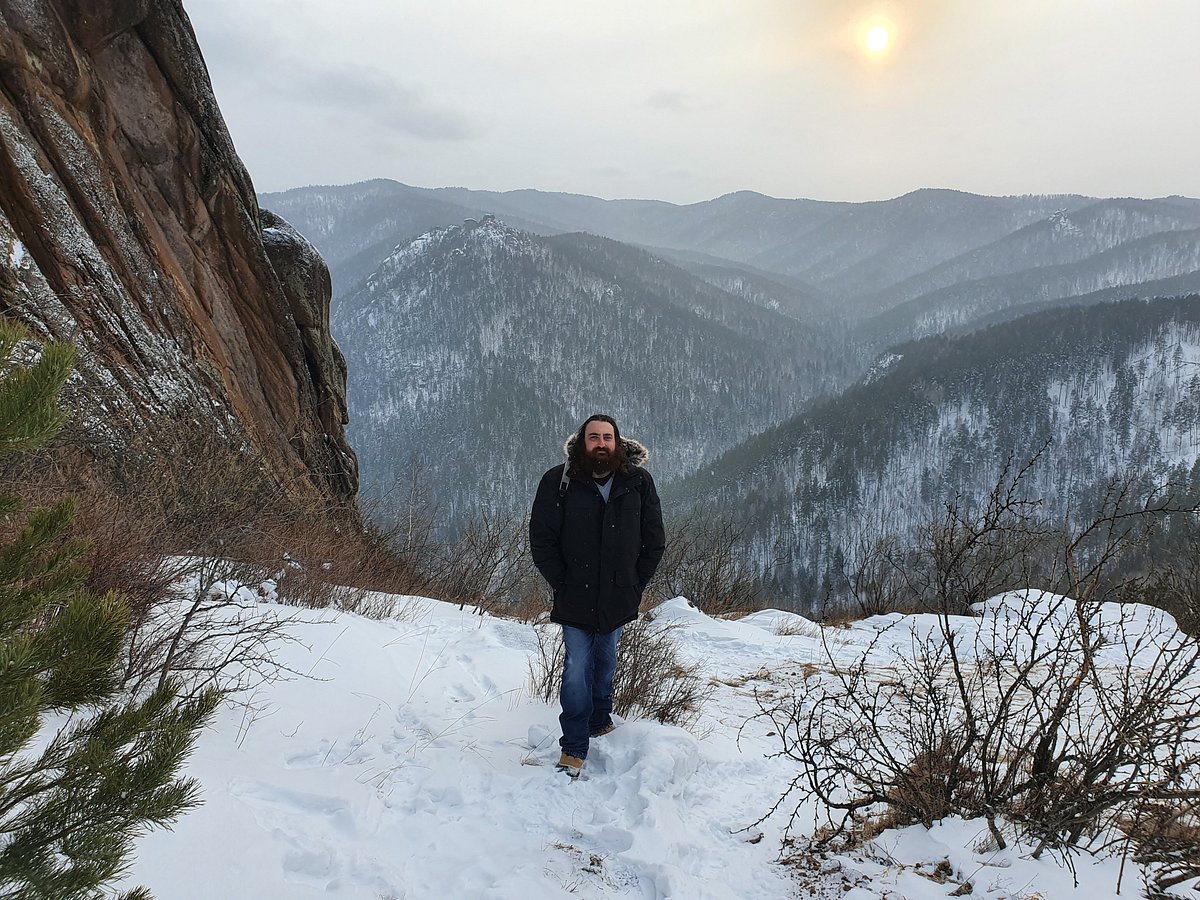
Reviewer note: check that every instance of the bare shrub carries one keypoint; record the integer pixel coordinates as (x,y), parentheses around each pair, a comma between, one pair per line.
(651,680)
(969,556)
(486,566)
(878,580)
(328,559)
(189,623)
(210,492)
(531,602)
(123,553)
(1175,586)
(955,560)
(545,668)
(706,562)
(211,629)
(184,491)
(1016,719)
(1059,716)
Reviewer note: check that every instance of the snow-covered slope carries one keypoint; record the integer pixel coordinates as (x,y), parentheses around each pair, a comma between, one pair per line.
(411,761)
(408,759)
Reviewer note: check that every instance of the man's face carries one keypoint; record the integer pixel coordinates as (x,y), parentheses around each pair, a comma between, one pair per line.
(599,442)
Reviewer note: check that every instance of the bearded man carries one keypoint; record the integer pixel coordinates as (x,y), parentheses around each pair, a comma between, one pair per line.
(596,535)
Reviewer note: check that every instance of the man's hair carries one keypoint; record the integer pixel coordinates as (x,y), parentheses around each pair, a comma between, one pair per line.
(577,459)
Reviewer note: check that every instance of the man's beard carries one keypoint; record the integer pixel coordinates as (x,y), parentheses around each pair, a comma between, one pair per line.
(602,460)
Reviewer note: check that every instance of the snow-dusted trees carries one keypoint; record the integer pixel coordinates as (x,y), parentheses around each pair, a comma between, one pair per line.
(1106,391)
(478,348)
(705,563)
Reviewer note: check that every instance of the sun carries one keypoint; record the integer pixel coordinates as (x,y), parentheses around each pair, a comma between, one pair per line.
(877,39)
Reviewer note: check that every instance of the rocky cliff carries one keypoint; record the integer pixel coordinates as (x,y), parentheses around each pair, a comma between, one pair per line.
(129,227)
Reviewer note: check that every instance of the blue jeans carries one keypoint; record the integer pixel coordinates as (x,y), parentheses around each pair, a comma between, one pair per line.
(586,697)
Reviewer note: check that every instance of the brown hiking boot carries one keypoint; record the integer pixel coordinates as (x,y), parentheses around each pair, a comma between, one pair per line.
(572,765)
(605,730)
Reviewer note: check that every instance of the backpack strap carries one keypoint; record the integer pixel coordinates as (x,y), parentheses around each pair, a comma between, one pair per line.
(562,497)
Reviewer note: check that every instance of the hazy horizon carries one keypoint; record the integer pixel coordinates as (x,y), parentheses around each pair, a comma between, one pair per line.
(465,187)
(687,100)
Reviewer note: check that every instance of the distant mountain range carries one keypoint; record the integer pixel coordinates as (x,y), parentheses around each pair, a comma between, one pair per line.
(826,372)
(897,268)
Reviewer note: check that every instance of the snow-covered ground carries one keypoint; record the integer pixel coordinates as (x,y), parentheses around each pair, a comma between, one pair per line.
(411,761)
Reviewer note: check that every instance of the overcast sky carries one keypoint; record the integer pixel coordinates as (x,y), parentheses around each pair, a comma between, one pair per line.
(684,100)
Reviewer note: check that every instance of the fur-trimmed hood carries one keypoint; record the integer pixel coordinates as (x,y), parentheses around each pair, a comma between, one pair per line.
(636,453)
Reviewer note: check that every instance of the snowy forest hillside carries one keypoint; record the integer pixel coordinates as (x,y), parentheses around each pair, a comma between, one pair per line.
(474,350)
(1094,393)
(836,285)
(1056,240)
(1133,264)
(846,249)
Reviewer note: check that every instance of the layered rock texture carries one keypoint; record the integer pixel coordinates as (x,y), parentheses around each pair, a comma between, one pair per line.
(129,227)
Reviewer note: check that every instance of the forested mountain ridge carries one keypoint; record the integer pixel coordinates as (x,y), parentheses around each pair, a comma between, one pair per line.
(918,263)
(1131,264)
(870,246)
(356,226)
(776,292)
(1060,238)
(1109,391)
(843,248)
(848,249)
(822,351)
(475,349)
(737,226)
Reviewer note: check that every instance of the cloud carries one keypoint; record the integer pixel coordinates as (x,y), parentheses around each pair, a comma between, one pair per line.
(776,96)
(330,88)
(376,97)
(670,101)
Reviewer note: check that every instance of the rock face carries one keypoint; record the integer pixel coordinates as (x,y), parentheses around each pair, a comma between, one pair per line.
(129,227)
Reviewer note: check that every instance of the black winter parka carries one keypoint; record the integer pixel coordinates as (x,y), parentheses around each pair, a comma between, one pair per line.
(598,557)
